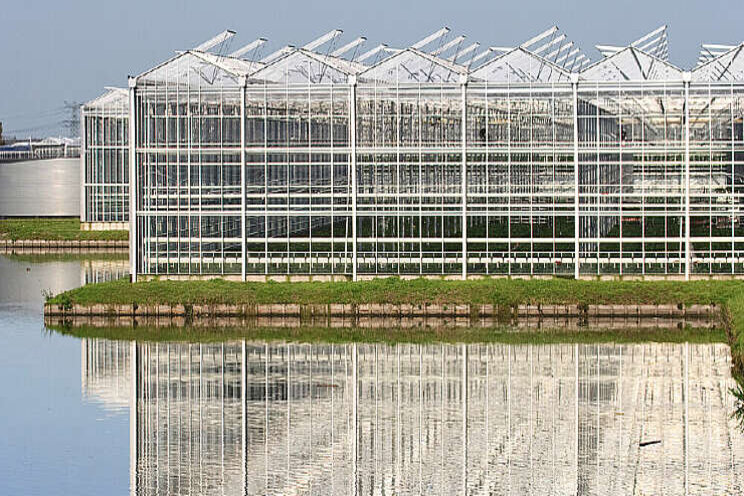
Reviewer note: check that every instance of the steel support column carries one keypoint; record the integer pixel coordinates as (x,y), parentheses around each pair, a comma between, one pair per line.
(132,181)
(464,177)
(577,257)
(688,252)
(242,178)
(83,145)
(133,418)
(352,138)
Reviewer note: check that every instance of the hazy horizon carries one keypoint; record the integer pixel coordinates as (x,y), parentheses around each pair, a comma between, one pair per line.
(56,52)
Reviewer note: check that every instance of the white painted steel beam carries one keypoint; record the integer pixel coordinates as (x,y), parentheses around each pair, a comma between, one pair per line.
(349,46)
(215,40)
(318,42)
(539,37)
(133,193)
(247,48)
(553,42)
(465,51)
(372,53)
(454,41)
(275,55)
(431,38)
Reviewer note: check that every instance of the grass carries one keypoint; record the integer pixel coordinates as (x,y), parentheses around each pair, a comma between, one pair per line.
(505,292)
(729,294)
(54,229)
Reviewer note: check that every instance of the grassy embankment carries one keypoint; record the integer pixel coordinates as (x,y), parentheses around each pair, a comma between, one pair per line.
(503,292)
(54,229)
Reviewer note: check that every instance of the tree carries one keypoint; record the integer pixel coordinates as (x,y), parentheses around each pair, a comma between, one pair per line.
(1,134)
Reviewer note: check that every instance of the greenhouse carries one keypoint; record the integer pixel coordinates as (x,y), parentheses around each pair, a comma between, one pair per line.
(104,161)
(441,159)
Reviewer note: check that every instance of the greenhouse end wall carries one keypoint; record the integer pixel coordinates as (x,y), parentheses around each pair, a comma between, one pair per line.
(104,196)
(356,180)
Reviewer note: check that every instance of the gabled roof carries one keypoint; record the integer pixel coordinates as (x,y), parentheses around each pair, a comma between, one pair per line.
(632,64)
(113,98)
(520,65)
(728,66)
(196,68)
(414,66)
(303,66)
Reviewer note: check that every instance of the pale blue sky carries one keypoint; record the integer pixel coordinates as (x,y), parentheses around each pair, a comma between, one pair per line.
(55,51)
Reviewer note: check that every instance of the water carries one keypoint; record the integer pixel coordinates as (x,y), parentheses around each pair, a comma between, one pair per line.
(246,417)
(40,188)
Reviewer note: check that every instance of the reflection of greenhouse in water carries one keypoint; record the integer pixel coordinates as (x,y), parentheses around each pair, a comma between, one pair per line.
(255,418)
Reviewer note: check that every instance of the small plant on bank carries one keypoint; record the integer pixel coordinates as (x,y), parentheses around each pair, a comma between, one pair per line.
(47,294)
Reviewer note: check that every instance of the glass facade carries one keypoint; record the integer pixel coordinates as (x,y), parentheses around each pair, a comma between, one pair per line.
(105,159)
(417,166)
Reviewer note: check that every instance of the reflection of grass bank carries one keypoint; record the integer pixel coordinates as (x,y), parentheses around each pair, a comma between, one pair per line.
(54,229)
(729,294)
(41,258)
(417,335)
(504,292)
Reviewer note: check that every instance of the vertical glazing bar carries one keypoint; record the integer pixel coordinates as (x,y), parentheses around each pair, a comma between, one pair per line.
(688,257)
(687,415)
(243,419)
(355,421)
(352,127)
(576,413)
(242,179)
(464,418)
(577,257)
(133,192)
(464,178)
(733,199)
(83,154)
(133,420)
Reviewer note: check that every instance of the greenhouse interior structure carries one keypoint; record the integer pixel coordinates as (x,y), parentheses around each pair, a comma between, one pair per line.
(442,159)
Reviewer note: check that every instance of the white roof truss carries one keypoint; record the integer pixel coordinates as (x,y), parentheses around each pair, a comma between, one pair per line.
(414,66)
(728,66)
(631,64)
(655,43)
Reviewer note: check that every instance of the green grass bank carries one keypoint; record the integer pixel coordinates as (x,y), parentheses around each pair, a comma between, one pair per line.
(504,292)
(54,229)
(729,294)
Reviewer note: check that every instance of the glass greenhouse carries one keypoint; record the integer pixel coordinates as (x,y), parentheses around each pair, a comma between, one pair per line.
(438,160)
(104,197)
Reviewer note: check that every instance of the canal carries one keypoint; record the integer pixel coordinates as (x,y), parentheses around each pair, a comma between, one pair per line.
(253,417)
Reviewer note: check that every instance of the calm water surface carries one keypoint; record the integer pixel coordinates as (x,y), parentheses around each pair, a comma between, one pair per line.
(246,417)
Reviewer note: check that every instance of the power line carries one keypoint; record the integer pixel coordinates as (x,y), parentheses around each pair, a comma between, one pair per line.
(72,123)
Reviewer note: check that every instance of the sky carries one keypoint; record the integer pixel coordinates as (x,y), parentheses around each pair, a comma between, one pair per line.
(55,52)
